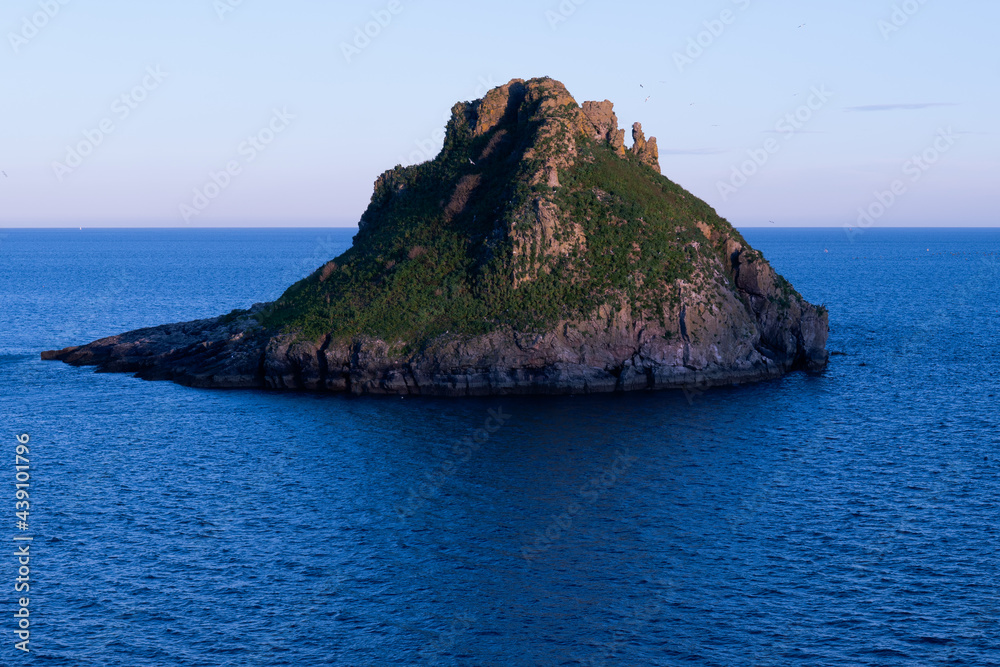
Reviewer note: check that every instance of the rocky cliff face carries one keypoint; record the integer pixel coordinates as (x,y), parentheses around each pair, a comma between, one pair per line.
(535,254)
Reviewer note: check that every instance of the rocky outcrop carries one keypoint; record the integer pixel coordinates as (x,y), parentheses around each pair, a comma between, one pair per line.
(498,105)
(220,352)
(645,151)
(602,118)
(511,214)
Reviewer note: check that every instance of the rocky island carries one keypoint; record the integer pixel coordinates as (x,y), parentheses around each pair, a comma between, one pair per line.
(536,254)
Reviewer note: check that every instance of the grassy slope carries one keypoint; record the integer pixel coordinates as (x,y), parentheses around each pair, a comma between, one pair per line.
(412,274)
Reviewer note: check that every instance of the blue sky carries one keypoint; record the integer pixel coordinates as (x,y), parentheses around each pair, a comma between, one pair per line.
(256,103)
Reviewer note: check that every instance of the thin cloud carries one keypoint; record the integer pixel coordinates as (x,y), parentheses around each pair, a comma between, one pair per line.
(900,107)
(796,132)
(691,151)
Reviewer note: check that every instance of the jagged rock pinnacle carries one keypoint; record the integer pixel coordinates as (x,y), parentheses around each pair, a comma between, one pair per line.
(646,151)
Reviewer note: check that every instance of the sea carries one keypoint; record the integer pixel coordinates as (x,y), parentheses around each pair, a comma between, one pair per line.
(844,518)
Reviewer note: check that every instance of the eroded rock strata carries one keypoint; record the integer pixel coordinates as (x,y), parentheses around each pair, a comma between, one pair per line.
(535,254)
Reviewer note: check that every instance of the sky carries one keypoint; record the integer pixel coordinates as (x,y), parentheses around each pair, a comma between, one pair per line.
(238,113)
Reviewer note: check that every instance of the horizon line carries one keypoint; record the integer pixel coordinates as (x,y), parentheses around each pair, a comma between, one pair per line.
(355,227)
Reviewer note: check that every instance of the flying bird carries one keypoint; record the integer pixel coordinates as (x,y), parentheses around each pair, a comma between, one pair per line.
(5,175)
(771,221)
(803,25)
(647,99)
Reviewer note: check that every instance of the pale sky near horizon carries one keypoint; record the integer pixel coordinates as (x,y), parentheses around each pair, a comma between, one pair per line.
(895,79)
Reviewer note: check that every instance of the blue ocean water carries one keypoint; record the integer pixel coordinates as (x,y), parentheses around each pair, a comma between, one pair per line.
(849,518)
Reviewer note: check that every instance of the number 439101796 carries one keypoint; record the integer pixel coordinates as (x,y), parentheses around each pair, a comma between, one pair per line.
(21,465)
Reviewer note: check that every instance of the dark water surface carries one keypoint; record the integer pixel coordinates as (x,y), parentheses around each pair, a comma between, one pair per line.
(844,519)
